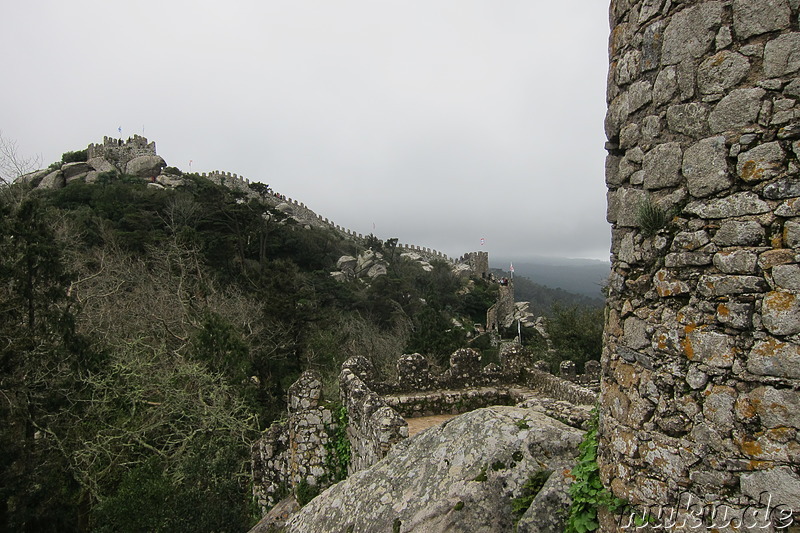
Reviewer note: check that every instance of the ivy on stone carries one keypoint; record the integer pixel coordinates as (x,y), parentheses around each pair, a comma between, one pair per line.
(587,491)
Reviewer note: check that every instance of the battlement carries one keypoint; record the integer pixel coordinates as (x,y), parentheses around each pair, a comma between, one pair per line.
(294,450)
(119,152)
(478,262)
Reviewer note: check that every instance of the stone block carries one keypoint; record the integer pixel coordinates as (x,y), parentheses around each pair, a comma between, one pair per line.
(781,483)
(686,259)
(639,95)
(754,18)
(666,285)
(721,285)
(662,166)
(710,347)
(735,205)
(763,162)
(705,166)
(666,85)
(788,187)
(780,312)
(791,233)
(735,315)
(776,407)
(782,55)
(718,405)
(722,71)
(736,262)
(772,357)
(629,67)
(772,258)
(739,233)
(623,206)
(690,119)
(691,32)
(789,208)
(636,336)
(652,43)
(737,110)
(787,276)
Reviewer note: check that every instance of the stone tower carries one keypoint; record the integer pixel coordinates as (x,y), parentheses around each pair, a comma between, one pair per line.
(701,365)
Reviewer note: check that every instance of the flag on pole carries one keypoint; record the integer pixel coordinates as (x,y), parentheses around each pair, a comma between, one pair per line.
(120,130)
(512,270)
(483,241)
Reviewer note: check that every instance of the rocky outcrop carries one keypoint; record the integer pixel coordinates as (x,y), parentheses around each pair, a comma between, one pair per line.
(145,166)
(460,476)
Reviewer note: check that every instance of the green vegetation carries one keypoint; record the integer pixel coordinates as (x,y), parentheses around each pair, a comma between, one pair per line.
(337,459)
(651,217)
(74,157)
(304,492)
(152,334)
(529,491)
(587,491)
(481,477)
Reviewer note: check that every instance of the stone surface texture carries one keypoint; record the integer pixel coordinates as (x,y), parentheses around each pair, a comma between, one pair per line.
(459,476)
(701,360)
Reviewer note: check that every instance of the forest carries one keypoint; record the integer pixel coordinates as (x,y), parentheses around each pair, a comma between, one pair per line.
(148,336)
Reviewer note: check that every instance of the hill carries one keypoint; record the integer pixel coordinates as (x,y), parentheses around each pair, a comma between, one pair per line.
(153,319)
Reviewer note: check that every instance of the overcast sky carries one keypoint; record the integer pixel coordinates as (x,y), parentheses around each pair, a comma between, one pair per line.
(437,122)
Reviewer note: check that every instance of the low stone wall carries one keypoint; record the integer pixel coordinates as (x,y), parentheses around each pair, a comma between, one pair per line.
(452,402)
(558,388)
(293,451)
(373,426)
(376,409)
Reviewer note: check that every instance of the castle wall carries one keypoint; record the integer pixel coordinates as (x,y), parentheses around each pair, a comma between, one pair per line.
(294,451)
(701,361)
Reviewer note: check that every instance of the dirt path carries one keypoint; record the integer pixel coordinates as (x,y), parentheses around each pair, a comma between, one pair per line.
(415,425)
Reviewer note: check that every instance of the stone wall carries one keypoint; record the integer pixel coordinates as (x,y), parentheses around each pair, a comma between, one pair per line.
(376,409)
(501,313)
(373,427)
(294,451)
(701,364)
(119,152)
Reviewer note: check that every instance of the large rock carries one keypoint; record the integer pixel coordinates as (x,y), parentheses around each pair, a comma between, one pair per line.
(34,177)
(54,180)
(145,166)
(458,477)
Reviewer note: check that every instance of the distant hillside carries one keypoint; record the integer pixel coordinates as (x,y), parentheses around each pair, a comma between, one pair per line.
(581,276)
(543,298)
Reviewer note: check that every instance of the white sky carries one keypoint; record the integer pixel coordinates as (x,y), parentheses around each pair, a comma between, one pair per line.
(440,122)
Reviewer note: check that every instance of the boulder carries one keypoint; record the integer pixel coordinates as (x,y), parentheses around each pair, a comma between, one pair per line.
(34,177)
(145,166)
(72,171)
(347,264)
(101,165)
(459,476)
(54,180)
(170,180)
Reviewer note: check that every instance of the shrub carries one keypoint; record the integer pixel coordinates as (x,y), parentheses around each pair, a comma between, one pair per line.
(74,157)
(651,217)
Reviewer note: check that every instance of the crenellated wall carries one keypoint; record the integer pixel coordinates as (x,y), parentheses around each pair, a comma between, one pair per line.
(119,152)
(293,451)
(701,364)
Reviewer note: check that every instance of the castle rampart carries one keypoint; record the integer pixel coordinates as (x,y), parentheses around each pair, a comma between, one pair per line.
(702,337)
(294,451)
